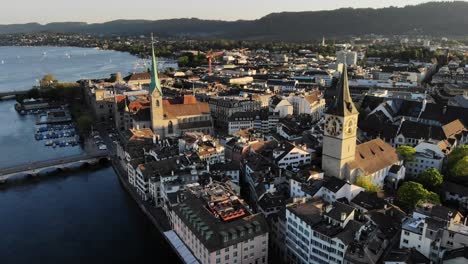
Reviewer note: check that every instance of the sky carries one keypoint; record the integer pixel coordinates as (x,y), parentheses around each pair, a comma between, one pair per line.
(93,11)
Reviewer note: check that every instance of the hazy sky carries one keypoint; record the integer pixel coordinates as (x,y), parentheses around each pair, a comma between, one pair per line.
(44,11)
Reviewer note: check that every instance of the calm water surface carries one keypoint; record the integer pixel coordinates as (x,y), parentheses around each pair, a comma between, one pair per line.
(82,217)
(22,67)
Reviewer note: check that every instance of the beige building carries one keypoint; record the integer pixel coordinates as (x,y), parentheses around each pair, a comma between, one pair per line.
(311,104)
(341,156)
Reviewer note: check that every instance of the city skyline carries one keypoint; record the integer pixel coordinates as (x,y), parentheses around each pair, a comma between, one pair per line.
(92,12)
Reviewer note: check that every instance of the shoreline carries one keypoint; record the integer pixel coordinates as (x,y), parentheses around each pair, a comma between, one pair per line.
(159,221)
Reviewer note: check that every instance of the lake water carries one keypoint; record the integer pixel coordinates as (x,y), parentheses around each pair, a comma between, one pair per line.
(83,217)
(22,67)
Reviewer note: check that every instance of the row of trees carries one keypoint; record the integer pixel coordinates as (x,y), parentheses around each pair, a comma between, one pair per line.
(427,185)
(401,53)
(191,60)
(61,92)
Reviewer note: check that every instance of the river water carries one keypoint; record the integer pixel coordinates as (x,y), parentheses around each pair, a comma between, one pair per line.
(81,217)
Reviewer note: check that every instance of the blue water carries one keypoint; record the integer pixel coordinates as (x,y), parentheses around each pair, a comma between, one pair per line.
(22,67)
(82,217)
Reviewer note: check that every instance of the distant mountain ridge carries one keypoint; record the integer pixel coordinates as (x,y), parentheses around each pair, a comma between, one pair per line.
(433,18)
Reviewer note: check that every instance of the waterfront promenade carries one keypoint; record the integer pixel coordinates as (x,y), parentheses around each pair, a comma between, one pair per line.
(157,217)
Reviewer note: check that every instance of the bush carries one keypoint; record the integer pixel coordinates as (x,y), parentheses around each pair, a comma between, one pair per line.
(366,183)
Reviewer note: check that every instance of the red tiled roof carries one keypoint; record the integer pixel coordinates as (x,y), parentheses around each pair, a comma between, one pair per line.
(172,111)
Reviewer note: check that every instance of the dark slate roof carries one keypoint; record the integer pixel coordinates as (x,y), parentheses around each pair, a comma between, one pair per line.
(270,200)
(417,130)
(338,208)
(456,253)
(455,188)
(143,114)
(286,147)
(369,201)
(217,226)
(408,256)
(333,184)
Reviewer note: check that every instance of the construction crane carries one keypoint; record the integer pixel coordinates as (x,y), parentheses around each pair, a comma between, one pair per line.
(210,56)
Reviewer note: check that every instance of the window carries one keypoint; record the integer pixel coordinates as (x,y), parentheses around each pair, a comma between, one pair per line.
(406,233)
(218,252)
(405,241)
(170,128)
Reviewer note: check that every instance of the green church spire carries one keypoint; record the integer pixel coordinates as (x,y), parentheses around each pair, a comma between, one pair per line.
(155,84)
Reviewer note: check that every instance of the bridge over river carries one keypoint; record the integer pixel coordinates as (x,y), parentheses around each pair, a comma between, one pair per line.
(34,168)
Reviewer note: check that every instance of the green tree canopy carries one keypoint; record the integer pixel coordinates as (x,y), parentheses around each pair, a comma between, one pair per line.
(460,169)
(457,163)
(47,80)
(407,152)
(84,124)
(366,183)
(431,179)
(411,193)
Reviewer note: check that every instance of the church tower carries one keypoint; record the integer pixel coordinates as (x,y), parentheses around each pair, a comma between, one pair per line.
(339,141)
(155,91)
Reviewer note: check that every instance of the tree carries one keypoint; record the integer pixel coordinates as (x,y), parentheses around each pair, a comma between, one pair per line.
(431,179)
(366,183)
(411,193)
(47,80)
(84,124)
(407,152)
(183,61)
(456,155)
(461,168)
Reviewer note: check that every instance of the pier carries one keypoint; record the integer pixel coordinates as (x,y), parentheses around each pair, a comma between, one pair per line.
(34,168)
(11,94)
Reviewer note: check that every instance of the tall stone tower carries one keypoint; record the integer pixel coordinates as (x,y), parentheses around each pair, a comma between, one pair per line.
(339,141)
(157,111)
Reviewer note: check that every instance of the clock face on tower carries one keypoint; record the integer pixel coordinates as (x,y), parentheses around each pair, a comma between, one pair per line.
(350,127)
(333,126)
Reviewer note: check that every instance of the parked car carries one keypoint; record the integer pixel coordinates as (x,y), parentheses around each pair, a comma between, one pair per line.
(102,147)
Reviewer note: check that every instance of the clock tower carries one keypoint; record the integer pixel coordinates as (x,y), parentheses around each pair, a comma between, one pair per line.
(339,141)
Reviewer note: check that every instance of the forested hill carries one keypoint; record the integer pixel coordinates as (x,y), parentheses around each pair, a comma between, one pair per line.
(434,18)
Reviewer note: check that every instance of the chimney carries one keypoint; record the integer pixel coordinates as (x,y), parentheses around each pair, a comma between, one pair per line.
(444,110)
(154,139)
(343,216)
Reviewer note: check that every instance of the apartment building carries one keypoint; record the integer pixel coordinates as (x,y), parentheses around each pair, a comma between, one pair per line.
(218,228)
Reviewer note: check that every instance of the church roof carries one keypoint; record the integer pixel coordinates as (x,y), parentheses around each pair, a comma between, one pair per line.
(373,156)
(173,111)
(343,104)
